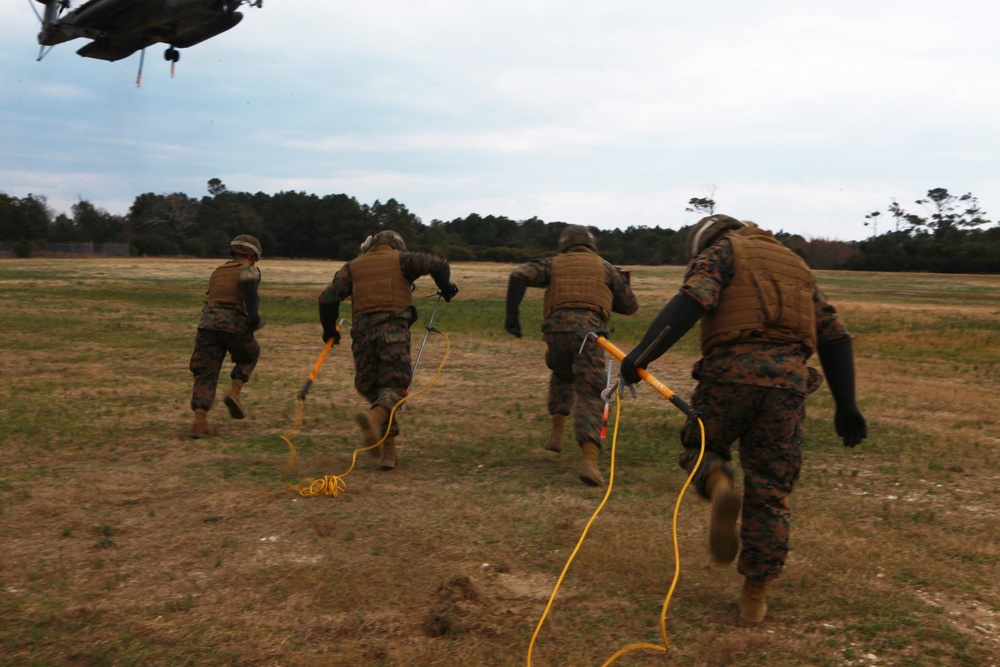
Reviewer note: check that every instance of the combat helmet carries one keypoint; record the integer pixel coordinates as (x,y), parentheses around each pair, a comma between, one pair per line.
(706,230)
(385,237)
(576,235)
(245,244)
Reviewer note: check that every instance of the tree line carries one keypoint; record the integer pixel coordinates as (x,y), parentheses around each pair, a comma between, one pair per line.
(948,234)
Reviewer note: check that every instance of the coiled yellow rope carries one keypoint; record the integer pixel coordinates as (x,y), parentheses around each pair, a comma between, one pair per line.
(665,648)
(333,485)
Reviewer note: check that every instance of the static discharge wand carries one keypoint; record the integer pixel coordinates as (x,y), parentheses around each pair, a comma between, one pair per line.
(614,390)
(427,330)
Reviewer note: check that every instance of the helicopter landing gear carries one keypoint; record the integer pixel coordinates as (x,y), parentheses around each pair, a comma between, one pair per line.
(172,55)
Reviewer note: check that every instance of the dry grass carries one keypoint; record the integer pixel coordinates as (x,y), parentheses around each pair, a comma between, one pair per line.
(125,542)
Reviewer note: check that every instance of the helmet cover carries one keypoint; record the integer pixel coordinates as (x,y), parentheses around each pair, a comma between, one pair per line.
(385,237)
(706,230)
(245,244)
(573,235)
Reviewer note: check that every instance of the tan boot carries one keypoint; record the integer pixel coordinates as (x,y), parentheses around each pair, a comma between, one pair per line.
(723,540)
(555,443)
(753,606)
(589,474)
(371,423)
(389,456)
(200,428)
(232,400)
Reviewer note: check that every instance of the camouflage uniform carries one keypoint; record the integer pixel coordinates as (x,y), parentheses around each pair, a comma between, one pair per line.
(577,377)
(754,392)
(223,329)
(380,342)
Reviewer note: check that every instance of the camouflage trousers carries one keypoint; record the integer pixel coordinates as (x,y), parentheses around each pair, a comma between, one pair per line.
(382,368)
(577,379)
(210,349)
(768,424)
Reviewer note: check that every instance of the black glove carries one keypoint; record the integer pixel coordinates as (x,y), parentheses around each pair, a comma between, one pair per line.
(254,322)
(516,287)
(675,320)
(513,327)
(328,315)
(628,369)
(442,279)
(448,292)
(837,360)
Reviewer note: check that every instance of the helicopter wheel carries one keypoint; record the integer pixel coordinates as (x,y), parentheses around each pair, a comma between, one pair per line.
(172,55)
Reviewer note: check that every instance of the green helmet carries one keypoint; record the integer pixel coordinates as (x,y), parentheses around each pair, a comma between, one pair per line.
(706,230)
(245,244)
(573,235)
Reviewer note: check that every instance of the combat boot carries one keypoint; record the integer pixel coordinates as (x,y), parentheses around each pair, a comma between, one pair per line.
(753,606)
(555,443)
(200,428)
(589,474)
(723,540)
(232,400)
(389,456)
(371,423)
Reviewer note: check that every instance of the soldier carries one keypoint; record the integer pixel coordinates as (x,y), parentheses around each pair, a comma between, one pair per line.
(227,324)
(581,292)
(379,283)
(763,318)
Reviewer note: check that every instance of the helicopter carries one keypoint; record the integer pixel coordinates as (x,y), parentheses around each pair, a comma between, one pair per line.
(119,28)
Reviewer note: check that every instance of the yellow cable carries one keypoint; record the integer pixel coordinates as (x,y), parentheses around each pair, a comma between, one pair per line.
(333,485)
(665,648)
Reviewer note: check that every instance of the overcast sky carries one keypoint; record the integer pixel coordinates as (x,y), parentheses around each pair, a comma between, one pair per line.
(801,116)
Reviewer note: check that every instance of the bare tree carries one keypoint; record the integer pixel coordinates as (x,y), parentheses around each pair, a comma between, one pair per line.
(951,212)
(703,205)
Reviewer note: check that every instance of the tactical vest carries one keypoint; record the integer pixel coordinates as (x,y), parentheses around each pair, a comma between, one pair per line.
(377,283)
(578,281)
(770,298)
(224,285)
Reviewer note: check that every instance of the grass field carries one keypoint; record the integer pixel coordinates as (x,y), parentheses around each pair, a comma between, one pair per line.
(125,542)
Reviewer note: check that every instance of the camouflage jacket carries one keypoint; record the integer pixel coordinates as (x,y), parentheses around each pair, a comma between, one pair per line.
(761,364)
(579,321)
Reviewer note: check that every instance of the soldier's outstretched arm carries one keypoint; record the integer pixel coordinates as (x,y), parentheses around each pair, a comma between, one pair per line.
(516,287)
(329,313)
(251,300)
(837,360)
(442,278)
(675,320)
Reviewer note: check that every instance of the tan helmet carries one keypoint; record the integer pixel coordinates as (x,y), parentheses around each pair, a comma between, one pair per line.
(245,244)
(573,235)
(706,230)
(385,237)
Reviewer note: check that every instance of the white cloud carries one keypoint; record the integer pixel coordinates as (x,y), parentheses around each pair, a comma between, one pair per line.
(806,117)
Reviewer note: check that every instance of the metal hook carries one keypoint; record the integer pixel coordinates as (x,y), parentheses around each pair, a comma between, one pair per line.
(584,343)
(616,388)
(607,394)
(623,383)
